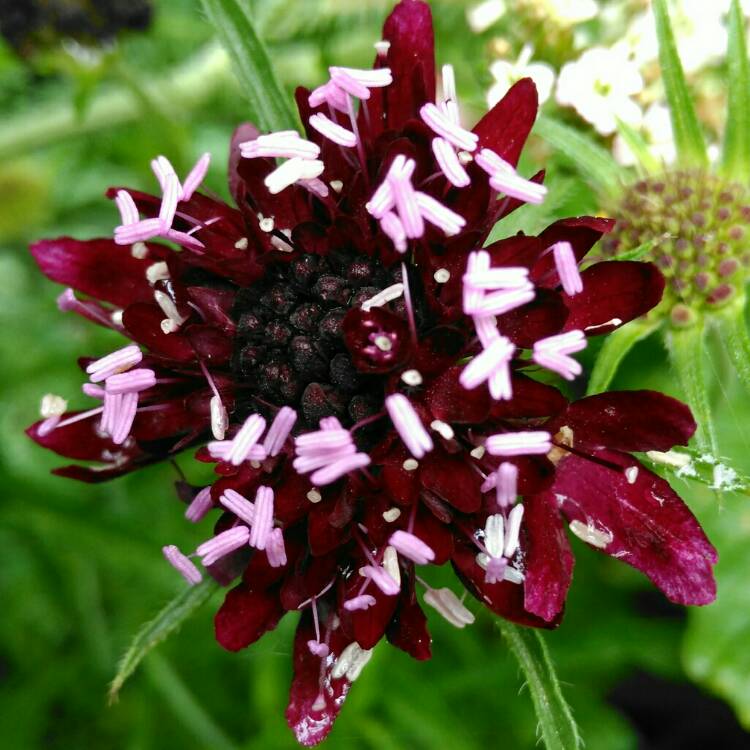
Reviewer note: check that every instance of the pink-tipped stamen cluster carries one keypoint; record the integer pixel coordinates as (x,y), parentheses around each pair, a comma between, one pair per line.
(501,542)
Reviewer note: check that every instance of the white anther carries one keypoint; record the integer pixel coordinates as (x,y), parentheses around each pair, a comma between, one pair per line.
(391,515)
(591,535)
(382,47)
(513,575)
(442,275)
(478,452)
(139,250)
(443,429)
(494,535)
(449,606)
(336,185)
(292,171)
(52,406)
(219,418)
(169,308)
(465,157)
(412,377)
(410,464)
(157,272)
(388,294)
(314,496)
(631,474)
(383,343)
(390,564)
(242,243)
(512,531)
(351,662)
(266,223)
(169,326)
(116,317)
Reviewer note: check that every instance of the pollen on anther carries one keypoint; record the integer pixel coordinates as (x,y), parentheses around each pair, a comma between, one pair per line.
(336,185)
(412,377)
(314,496)
(242,243)
(442,275)
(410,464)
(383,343)
(478,452)
(391,515)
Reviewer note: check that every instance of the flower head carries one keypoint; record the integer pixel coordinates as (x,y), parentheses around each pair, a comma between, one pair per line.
(364,367)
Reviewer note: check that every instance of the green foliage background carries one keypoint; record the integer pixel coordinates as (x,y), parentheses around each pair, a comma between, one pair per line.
(81,567)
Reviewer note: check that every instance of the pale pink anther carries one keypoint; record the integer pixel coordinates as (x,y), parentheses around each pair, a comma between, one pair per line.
(439,215)
(195,177)
(238,504)
(279,431)
(408,425)
(328,438)
(219,449)
(567,268)
(371,77)
(132,381)
(523,443)
(494,571)
(338,469)
(311,460)
(291,171)
(394,230)
(182,564)
(449,163)
(442,124)
(318,649)
(332,130)
(93,391)
(382,201)
(126,206)
(275,549)
(498,303)
(263,521)
(480,275)
(505,179)
(199,506)
(552,352)
(118,415)
(492,163)
(331,94)
(114,363)
(222,544)
(286,144)
(405,197)
(411,547)
(491,365)
(512,531)
(245,439)
(170,198)
(506,484)
(315,186)
(330,423)
(363,601)
(486,329)
(48,425)
(144,230)
(477,264)
(348,83)
(381,578)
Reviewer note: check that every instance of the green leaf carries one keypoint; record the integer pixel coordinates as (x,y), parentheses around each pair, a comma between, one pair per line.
(616,346)
(733,331)
(635,141)
(269,105)
(556,724)
(166,622)
(691,148)
(687,353)
(637,252)
(594,162)
(735,158)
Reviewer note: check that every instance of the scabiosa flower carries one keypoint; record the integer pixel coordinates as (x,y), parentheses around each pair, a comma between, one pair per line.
(359,368)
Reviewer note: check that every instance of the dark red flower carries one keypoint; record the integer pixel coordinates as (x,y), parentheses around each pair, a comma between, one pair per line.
(366,372)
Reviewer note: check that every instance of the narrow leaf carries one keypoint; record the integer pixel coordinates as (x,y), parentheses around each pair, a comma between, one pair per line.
(691,148)
(594,162)
(166,622)
(616,346)
(637,252)
(736,154)
(736,340)
(636,143)
(556,724)
(269,106)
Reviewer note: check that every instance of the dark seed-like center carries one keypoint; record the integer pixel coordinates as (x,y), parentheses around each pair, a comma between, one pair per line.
(289,348)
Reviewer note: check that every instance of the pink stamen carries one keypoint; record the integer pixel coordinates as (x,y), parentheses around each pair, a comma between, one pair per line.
(170,198)
(114,363)
(405,197)
(372,78)
(318,649)
(567,268)
(506,487)
(505,179)
(263,523)
(441,124)
(381,578)
(493,366)
(498,303)
(239,505)
(279,431)
(449,163)
(127,208)
(48,425)
(182,564)
(219,449)
(480,275)
(200,505)
(339,468)
(348,83)
(93,391)
(285,144)
(315,186)
(332,130)
(275,549)
(552,352)
(132,381)
(80,417)
(512,531)
(522,443)
(118,415)
(411,547)
(382,200)
(93,311)
(144,230)
(329,93)
(363,601)
(222,544)
(394,230)
(195,177)
(486,329)
(408,425)
(245,439)
(495,570)
(439,215)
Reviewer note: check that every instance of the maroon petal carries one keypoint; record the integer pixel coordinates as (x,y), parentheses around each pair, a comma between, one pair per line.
(99,268)
(315,697)
(452,479)
(614,289)
(237,188)
(544,316)
(411,58)
(505,128)
(629,421)
(530,399)
(408,628)
(449,401)
(143,323)
(651,528)
(548,557)
(246,615)
(361,330)
(435,534)
(369,624)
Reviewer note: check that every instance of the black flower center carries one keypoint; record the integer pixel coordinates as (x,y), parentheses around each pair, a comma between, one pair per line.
(290,349)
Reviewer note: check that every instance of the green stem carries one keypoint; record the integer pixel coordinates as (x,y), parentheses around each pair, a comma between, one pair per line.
(556,724)
(734,336)
(184,88)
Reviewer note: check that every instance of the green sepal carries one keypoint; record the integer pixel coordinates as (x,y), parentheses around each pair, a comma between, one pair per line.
(557,727)
(735,157)
(269,106)
(593,161)
(166,622)
(614,349)
(691,147)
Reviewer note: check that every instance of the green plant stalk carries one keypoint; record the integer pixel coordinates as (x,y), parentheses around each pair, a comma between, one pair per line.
(184,88)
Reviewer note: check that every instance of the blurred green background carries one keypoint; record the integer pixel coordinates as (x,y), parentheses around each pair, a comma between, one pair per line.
(81,567)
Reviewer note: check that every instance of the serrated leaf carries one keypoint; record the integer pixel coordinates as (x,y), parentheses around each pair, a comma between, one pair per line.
(615,348)
(636,143)
(270,107)
(593,162)
(735,158)
(166,622)
(557,727)
(691,148)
